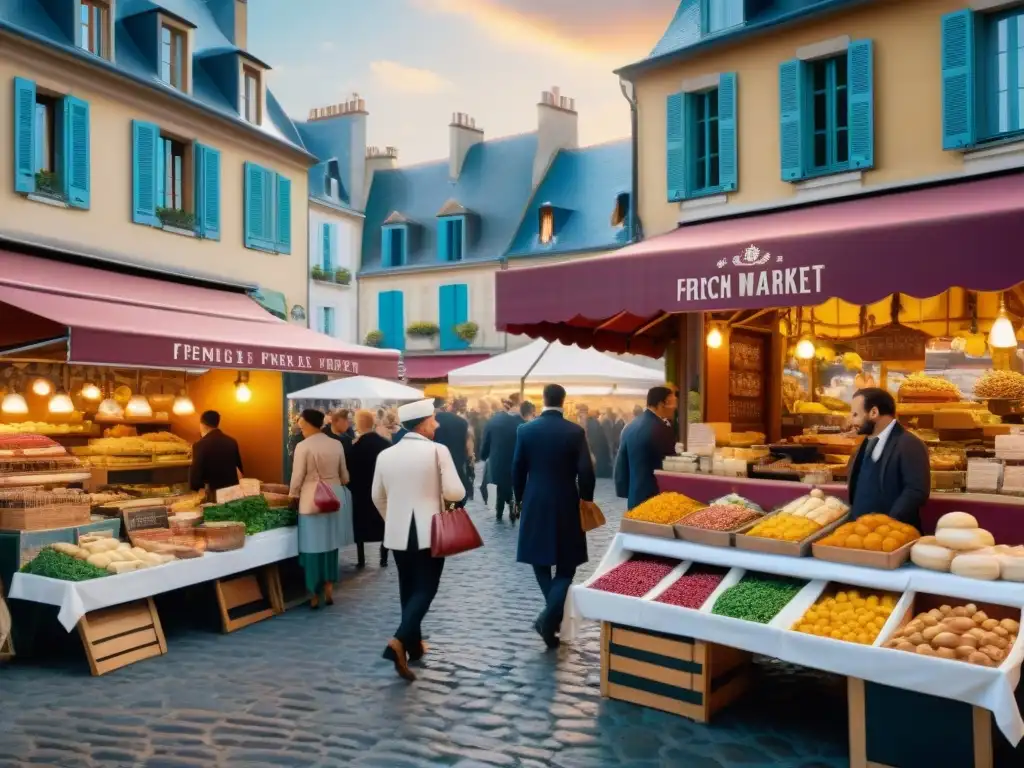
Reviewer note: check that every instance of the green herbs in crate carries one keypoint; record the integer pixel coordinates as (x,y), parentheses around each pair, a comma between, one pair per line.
(757,597)
(254,511)
(57,565)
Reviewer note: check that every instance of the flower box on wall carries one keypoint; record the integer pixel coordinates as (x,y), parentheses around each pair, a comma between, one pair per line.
(422,336)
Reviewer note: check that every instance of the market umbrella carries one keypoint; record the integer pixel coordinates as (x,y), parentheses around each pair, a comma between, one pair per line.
(358,388)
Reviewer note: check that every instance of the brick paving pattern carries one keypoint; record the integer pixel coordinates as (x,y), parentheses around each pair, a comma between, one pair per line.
(310,689)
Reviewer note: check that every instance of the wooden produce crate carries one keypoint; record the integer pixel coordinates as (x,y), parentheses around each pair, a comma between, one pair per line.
(712,538)
(648,529)
(791,548)
(887,561)
(674,674)
(122,635)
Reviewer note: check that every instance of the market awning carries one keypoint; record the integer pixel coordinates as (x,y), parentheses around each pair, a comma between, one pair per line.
(920,242)
(111,318)
(430,367)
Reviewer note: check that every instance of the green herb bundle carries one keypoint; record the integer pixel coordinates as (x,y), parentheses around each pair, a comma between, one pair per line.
(254,512)
(57,565)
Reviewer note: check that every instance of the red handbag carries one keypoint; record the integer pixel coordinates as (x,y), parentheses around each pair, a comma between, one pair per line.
(452,531)
(324,497)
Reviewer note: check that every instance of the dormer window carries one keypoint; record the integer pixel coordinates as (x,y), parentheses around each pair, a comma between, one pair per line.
(94,27)
(547,224)
(621,212)
(332,181)
(173,50)
(394,251)
(252,90)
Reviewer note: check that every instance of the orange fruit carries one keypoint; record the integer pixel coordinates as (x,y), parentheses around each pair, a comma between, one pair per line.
(883,529)
(854,541)
(861,530)
(873,542)
(889,544)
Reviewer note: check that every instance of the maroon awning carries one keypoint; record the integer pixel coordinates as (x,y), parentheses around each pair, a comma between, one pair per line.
(110,318)
(920,242)
(430,367)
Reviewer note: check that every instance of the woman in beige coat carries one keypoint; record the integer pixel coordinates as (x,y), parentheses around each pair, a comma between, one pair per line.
(318,457)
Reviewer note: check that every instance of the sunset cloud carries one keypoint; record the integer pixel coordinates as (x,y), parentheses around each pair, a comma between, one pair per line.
(401,77)
(607,29)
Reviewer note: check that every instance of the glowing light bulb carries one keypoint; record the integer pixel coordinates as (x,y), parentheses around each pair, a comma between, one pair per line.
(183,406)
(242,392)
(1002,335)
(714,340)
(110,409)
(805,349)
(42,387)
(61,403)
(91,392)
(138,408)
(14,403)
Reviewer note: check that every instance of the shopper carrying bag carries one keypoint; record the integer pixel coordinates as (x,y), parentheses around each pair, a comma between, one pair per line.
(452,531)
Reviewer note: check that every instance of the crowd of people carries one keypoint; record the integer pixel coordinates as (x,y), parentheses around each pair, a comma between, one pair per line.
(399,468)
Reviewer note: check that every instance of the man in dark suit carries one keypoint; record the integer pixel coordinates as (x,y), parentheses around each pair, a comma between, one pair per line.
(216,460)
(551,473)
(453,433)
(890,472)
(498,447)
(338,426)
(643,444)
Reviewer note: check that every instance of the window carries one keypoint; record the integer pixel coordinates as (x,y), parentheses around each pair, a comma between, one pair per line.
(547,224)
(327,249)
(268,210)
(172,57)
(451,232)
(453,311)
(327,320)
(701,151)
(51,145)
(1003,82)
(397,250)
(94,23)
(830,134)
(391,319)
(251,107)
(175,182)
(721,14)
(394,245)
(704,116)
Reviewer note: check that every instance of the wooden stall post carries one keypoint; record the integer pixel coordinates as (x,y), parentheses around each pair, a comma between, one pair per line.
(122,635)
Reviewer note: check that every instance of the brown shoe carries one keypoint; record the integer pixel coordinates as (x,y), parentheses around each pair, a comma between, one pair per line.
(314,602)
(329,593)
(400,660)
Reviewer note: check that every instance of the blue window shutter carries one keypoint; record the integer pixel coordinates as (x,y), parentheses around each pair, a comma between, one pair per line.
(207,165)
(284,214)
(398,309)
(861,101)
(391,318)
(76,152)
(728,156)
(442,240)
(384,316)
(445,312)
(24,135)
(791,127)
(258,226)
(385,247)
(145,147)
(461,312)
(675,147)
(327,261)
(959,118)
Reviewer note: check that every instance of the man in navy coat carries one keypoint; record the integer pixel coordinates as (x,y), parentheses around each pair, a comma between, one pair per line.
(551,473)
(498,447)
(644,443)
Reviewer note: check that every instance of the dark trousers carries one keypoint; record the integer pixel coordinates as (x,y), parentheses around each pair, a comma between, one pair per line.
(503,497)
(361,553)
(419,574)
(555,588)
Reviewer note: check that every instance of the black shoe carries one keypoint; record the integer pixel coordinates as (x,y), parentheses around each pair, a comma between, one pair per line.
(383,558)
(499,512)
(548,637)
(483,493)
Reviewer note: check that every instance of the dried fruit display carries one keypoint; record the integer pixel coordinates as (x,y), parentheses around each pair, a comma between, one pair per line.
(694,587)
(876,533)
(757,597)
(1000,385)
(637,576)
(961,633)
(721,517)
(848,615)
(664,509)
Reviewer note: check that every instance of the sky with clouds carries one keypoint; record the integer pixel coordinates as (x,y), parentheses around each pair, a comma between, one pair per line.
(417,61)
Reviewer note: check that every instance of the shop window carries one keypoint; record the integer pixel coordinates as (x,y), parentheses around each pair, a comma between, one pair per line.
(173,176)
(827,113)
(252,107)
(547,224)
(51,145)
(451,241)
(701,141)
(268,210)
(719,15)
(172,56)
(327,320)
(394,245)
(94,27)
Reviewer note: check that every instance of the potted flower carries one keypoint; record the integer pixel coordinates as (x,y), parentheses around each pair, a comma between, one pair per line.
(467,331)
(47,184)
(177,219)
(317,273)
(342,276)
(422,335)
(374,338)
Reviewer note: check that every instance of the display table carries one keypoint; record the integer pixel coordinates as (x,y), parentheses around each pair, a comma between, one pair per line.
(990,689)
(1002,516)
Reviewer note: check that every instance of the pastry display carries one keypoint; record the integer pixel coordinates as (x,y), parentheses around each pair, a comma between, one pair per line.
(918,386)
(1000,385)
(961,633)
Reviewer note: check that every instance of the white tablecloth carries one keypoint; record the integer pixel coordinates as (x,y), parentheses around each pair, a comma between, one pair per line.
(77,598)
(991,689)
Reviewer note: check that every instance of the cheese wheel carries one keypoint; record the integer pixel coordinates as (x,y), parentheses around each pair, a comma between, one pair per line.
(963,539)
(931,556)
(976,566)
(956,520)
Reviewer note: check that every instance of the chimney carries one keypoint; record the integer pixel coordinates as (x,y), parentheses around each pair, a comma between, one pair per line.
(557,128)
(353,110)
(378,159)
(232,19)
(462,134)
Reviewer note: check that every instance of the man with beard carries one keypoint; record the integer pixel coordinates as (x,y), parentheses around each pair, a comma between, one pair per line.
(889,473)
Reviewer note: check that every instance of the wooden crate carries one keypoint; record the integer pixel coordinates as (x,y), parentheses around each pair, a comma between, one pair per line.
(644,528)
(674,674)
(249,597)
(122,635)
(888,561)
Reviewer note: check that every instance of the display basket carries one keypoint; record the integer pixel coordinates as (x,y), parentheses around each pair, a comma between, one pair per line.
(277,488)
(800,548)
(185,521)
(277,500)
(645,528)
(37,510)
(165,541)
(886,561)
(52,470)
(710,537)
(223,536)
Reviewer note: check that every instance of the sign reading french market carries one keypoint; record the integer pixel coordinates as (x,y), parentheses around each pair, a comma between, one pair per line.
(238,357)
(757,280)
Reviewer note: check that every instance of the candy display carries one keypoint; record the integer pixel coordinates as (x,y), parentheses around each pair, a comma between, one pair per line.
(961,633)
(721,517)
(1000,385)
(785,527)
(848,615)
(875,532)
(664,509)
(817,507)
(637,576)
(757,597)
(693,588)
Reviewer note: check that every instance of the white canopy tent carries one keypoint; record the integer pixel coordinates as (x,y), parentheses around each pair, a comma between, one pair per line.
(542,362)
(364,388)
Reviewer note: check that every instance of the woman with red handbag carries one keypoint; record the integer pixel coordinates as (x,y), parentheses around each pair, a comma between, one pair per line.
(413,483)
(318,474)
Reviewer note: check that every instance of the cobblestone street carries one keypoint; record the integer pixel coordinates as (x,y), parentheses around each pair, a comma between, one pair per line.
(310,689)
